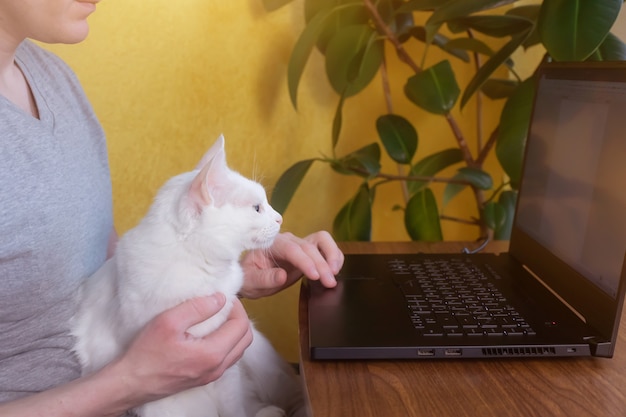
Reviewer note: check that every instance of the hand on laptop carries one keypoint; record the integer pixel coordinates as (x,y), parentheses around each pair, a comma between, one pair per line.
(269,271)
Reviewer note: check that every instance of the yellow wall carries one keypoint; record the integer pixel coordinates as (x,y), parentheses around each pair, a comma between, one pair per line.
(167,77)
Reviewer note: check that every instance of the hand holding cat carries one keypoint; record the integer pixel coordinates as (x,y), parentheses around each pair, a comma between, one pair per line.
(164,359)
(267,272)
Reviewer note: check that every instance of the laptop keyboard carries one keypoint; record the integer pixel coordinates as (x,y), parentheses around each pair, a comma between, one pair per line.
(453,297)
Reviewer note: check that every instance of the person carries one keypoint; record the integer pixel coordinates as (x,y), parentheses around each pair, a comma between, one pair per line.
(56,229)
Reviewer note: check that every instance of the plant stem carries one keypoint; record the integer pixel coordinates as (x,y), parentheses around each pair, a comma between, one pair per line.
(459,220)
(406,58)
(415,178)
(382,27)
(456,131)
(484,152)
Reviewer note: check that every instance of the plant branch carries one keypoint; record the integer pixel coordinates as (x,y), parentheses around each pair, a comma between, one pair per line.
(414,178)
(382,27)
(459,220)
(384,72)
(487,148)
(406,58)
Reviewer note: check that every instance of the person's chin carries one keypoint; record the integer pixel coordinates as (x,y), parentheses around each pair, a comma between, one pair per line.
(75,34)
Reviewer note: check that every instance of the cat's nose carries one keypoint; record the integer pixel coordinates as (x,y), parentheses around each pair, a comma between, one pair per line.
(279,219)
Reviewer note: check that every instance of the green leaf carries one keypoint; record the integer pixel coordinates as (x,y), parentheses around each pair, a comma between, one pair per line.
(513,130)
(493,215)
(338,121)
(304,46)
(364,162)
(507,201)
(353,57)
(434,89)
(492,25)
(431,165)
(342,17)
(288,183)
(440,41)
(571,30)
(271,5)
(456,9)
(421,217)
(400,23)
(499,88)
(474,176)
(398,136)
(530,12)
(612,49)
(470,44)
(485,72)
(354,220)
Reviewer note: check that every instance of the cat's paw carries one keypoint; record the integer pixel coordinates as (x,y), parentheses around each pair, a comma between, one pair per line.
(271,411)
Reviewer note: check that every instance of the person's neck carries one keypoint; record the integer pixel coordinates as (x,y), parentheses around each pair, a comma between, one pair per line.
(8,48)
(13,83)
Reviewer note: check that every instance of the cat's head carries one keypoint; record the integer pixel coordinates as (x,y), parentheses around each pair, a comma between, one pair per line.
(225,210)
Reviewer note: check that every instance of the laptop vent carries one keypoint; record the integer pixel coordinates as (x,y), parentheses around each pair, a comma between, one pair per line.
(520,351)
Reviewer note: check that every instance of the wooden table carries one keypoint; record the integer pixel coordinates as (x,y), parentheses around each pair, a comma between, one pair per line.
(491,387)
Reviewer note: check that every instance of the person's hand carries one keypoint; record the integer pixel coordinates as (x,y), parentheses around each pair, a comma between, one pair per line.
(164,359)
(269,271)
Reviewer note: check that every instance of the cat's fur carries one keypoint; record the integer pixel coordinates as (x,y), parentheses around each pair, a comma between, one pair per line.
(189,244)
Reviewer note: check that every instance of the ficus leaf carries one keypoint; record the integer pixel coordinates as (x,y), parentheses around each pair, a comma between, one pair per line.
(500,57)
(496,26)
(398,136)
(354,220)
(470,44)
(288,183)
(456,9)
(493,215)
(364,162)
(507,201)
(353,57)
(612,49)
(431,165)
(530,12)
(499,88)
(421,217)
(305,44)
(513,129)
(342,17)
(571,30)
(473,176)
(338,121)
(434,89)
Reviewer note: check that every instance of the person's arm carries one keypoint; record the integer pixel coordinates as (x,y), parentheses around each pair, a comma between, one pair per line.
(162,360)
(267,272)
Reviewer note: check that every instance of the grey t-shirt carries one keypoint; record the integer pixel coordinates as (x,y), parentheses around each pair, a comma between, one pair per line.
(55,221)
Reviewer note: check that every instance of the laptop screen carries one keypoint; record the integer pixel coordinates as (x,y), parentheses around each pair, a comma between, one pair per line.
(572,199)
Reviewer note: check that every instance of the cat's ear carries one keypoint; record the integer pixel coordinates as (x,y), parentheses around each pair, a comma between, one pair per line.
(213,172)
(218,146)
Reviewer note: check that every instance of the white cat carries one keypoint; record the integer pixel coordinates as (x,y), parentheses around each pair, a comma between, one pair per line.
(189,244)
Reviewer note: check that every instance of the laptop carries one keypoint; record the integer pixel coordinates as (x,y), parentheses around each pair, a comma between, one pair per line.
(559,289)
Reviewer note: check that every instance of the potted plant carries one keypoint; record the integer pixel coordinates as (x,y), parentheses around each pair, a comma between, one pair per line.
(353,36)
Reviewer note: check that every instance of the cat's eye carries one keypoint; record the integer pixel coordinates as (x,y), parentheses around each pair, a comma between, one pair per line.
(257,208)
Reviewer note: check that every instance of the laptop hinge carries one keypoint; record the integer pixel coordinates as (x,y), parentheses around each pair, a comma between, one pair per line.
(600,348)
